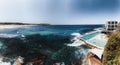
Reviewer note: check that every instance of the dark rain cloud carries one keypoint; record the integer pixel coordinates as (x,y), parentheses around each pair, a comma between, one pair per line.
(95,5)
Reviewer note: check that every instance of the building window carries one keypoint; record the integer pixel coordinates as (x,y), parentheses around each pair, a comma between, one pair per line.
(115,22)
(112,25)
(112,22)
(115,25)
(108,22)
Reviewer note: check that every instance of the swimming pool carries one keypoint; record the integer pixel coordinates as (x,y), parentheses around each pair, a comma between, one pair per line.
(100,43)
(92,38)
(90,35)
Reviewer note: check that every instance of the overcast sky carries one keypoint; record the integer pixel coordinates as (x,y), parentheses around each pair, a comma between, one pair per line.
(59,11)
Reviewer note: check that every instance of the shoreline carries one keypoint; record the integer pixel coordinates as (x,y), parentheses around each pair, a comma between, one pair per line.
(13,26)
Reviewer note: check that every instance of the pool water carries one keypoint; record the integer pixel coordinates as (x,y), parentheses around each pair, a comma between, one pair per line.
(98,42)
(90,35)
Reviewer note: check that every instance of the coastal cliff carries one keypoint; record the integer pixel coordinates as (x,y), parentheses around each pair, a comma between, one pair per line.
(111,55)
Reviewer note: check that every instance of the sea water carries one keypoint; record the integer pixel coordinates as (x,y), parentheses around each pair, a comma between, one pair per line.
(45,43)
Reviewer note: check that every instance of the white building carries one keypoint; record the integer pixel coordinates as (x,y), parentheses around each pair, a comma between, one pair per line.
(111,25)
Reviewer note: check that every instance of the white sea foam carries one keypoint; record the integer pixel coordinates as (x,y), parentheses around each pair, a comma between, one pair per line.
(76,40)
(59,63)
(22,35)
(7,35)
(4,63)
(19,60)
(76,34)
(76,44)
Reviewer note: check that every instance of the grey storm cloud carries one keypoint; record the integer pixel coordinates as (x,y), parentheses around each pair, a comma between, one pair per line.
(95,5)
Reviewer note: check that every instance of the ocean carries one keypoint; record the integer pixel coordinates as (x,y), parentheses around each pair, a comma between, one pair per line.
(44,45)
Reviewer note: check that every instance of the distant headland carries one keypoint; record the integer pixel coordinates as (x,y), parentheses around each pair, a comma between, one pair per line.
(17,23)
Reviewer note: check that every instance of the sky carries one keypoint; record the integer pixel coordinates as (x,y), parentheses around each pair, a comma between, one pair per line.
(59,11)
